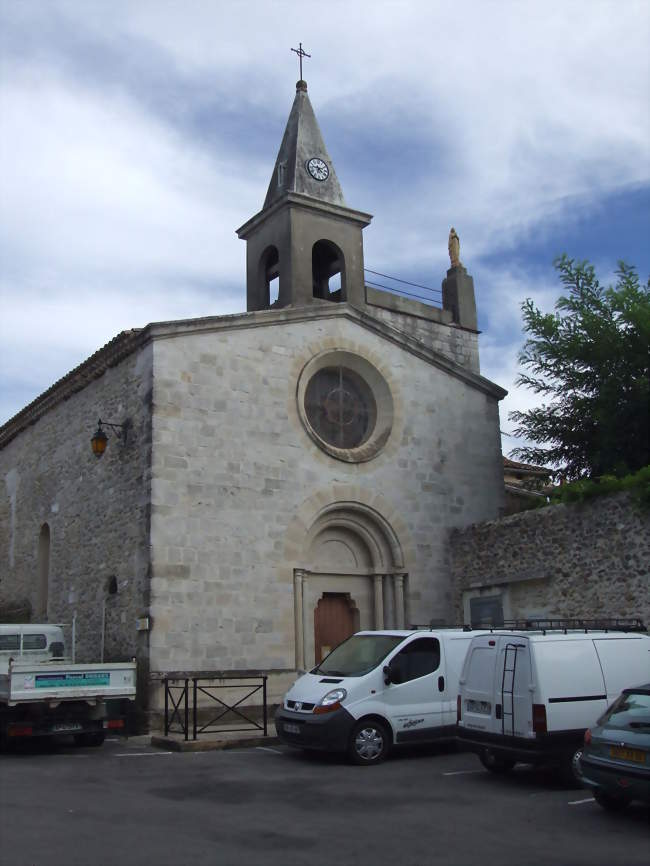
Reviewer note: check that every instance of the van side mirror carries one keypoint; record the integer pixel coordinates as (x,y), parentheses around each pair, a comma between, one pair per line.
(393,672)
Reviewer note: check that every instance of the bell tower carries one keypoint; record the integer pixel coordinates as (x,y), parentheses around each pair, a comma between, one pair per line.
(305,235)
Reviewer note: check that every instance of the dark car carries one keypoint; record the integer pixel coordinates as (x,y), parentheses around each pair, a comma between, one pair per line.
(615,759)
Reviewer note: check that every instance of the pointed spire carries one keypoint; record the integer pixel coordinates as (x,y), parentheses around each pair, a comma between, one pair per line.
(303,164)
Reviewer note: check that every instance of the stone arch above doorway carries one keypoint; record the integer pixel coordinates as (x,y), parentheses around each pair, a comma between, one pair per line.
(354,504)
(369,540)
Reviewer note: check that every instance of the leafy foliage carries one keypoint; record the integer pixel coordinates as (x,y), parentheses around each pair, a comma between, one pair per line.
(592,359)
(638,484)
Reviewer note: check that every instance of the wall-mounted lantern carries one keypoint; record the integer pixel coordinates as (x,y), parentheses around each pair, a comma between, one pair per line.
(100,439)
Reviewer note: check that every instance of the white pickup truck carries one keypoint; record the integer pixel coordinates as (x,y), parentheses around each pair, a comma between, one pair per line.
(43,694)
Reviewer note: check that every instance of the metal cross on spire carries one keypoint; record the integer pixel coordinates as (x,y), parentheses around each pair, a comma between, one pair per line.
(300,54)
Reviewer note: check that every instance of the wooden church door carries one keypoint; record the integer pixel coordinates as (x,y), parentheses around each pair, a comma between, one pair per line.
(335,619)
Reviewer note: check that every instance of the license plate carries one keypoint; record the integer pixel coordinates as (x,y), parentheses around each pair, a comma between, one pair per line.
(634,755)
(66,727)
(484,708)
(291,729)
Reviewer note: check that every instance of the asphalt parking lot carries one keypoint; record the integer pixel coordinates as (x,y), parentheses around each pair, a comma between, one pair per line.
(130,804)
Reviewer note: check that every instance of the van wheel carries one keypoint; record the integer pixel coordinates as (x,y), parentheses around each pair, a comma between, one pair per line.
(611,802)
(89,738)
(369,742)
(496,763)
(576,767)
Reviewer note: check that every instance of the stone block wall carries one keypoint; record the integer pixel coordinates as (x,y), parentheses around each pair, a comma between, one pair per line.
(234,469)
(428,325)
(96,512)
(579,560)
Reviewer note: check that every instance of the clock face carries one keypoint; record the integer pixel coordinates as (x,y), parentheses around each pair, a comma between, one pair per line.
(317,168)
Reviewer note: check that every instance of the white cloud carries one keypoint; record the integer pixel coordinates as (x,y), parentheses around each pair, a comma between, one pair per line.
(98,186)
(112,189)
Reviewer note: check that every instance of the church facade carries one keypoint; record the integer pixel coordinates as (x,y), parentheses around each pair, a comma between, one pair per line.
(273,480)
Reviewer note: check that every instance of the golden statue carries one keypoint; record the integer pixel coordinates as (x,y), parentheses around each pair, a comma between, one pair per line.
(454,248)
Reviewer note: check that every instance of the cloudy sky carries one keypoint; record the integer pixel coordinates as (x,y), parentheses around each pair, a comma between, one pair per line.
(137,135)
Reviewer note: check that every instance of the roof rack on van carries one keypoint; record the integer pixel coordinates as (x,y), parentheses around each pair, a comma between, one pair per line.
(629,624)
(440,624)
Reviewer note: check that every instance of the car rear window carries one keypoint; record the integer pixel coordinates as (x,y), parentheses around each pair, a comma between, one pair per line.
(630,710)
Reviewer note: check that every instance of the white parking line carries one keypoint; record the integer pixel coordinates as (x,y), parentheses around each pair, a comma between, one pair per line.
(579,802)
(463,772)
(269,749)
(140,754)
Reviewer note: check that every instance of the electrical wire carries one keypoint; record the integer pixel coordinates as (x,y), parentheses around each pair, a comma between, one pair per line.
(397,291)
(406,282)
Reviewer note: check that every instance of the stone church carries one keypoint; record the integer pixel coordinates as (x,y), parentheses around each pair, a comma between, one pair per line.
(271,481)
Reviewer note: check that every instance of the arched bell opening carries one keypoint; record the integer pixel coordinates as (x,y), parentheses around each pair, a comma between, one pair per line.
(328,272)
(269,278)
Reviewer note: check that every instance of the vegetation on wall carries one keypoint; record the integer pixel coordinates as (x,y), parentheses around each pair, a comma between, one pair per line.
(637,483)
(590,358)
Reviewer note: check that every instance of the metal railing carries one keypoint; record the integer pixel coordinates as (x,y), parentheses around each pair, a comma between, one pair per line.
(190,700)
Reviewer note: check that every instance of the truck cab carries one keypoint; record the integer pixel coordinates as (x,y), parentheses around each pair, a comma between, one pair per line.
(30,642)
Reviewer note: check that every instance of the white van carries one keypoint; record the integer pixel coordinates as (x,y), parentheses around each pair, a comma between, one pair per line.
(376,689)
(530,695)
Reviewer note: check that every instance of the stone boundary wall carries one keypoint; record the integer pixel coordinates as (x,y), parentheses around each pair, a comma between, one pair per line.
(583,559)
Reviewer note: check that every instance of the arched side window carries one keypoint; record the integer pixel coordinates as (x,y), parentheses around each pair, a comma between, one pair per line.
(328,272)
(42,589)
(269,277)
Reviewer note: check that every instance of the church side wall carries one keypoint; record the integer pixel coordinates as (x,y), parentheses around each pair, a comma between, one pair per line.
(585,560)
(96,511)
(233,469)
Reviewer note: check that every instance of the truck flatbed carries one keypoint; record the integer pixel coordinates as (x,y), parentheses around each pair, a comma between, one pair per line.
(27,682)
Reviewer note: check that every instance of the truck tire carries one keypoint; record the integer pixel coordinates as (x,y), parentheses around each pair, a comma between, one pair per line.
(89,738)
(495,762)
(369,742)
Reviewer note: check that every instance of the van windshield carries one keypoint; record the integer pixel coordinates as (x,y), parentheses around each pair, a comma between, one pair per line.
(358,655)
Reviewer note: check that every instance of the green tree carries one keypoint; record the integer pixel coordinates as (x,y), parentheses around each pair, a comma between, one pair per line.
(591,360)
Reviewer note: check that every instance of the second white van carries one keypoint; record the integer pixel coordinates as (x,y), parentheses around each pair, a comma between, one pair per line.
(530,695)
(375,690)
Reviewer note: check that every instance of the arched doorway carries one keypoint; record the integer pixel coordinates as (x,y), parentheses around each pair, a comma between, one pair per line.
(353,578)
